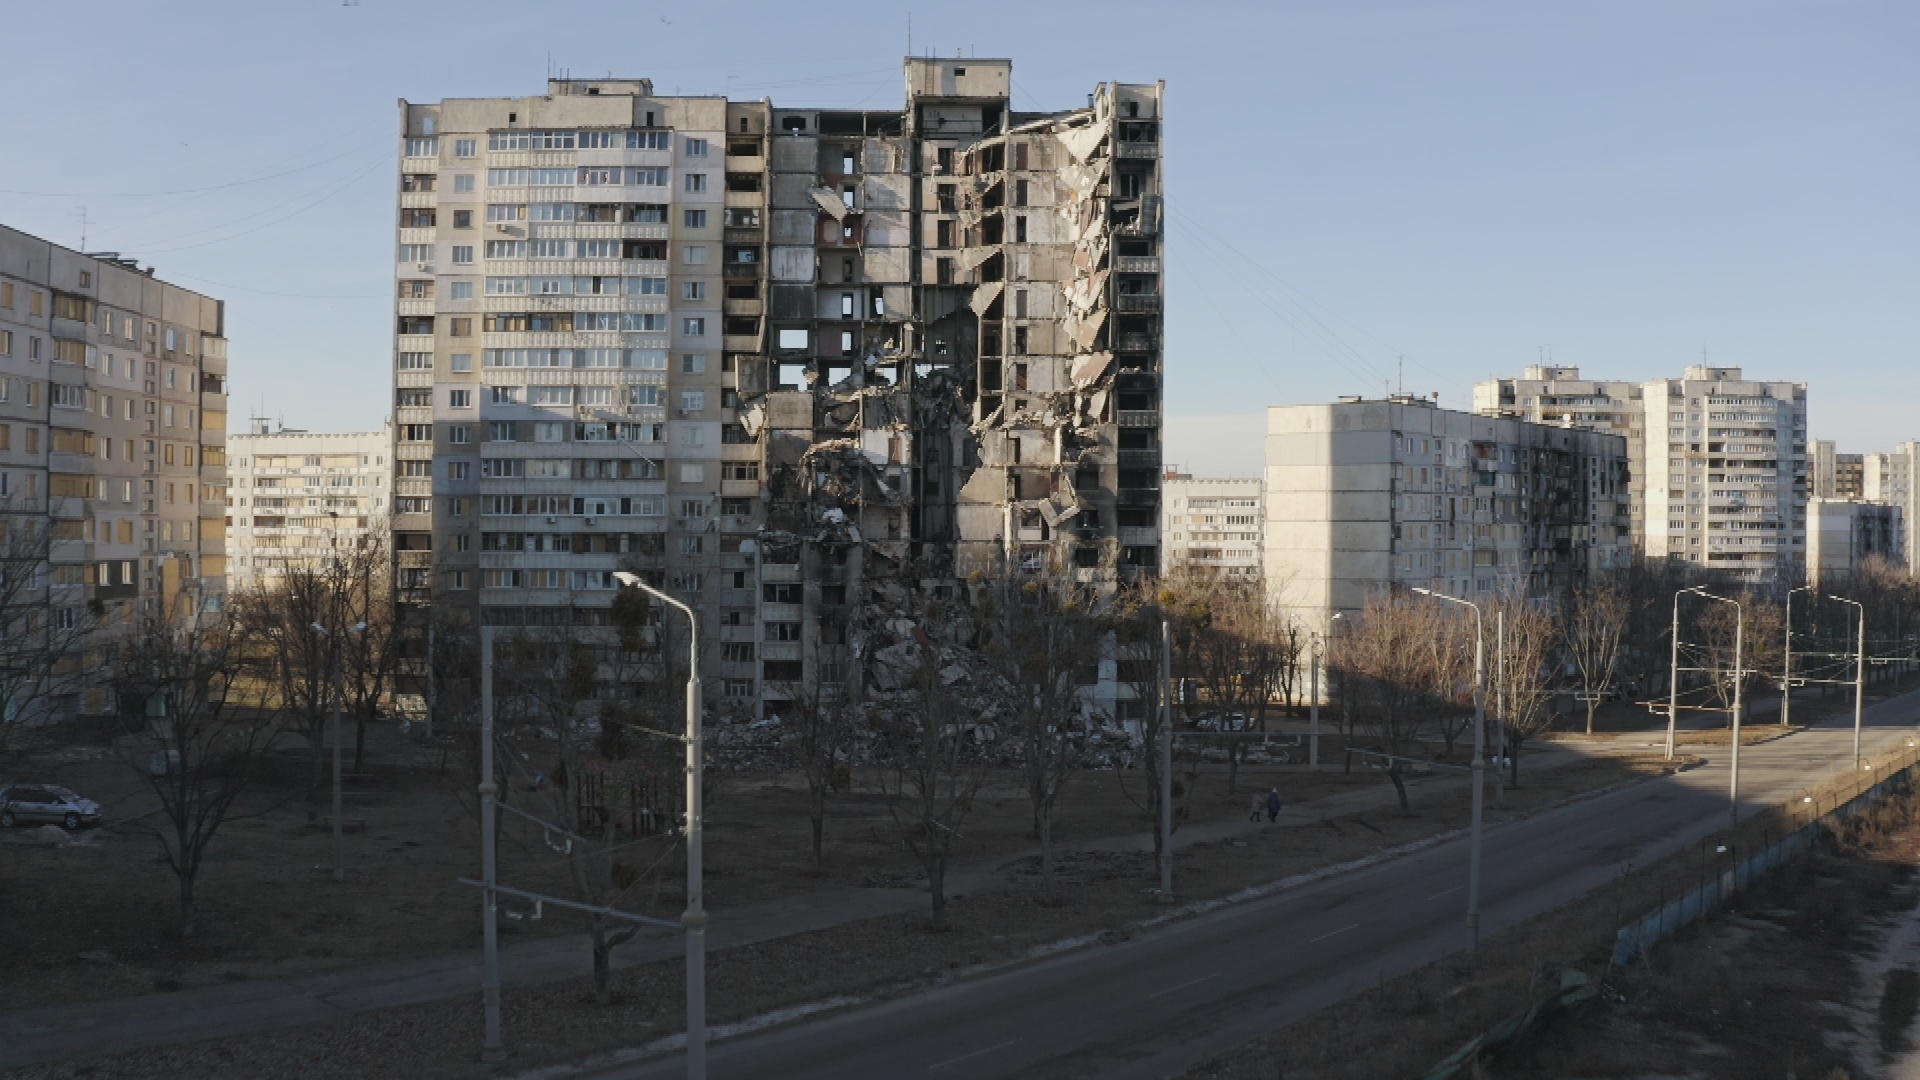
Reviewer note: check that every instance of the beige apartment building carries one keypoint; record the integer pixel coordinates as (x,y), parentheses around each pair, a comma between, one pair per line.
(785,361)
(1212,525)
(112,443)
(1844,535)
(1720,462)
(1366,494)
(295,497)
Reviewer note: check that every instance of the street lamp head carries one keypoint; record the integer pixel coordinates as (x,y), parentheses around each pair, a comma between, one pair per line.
(625,578)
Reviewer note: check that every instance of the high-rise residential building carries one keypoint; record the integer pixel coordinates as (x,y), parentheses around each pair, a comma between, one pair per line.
(1844,534)
(1833,475)
(1211,525)
(1720,462)
(296,496)
(112,440)
(1727,472)
(781,360)
(1362,495)
(1548,394)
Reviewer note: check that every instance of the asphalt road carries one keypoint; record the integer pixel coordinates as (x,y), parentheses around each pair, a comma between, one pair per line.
(1173,997)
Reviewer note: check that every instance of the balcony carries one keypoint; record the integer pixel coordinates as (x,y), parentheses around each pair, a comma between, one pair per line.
(1148,456)
(1137,302)
(1143,418)
(1139,151)
(1137,342)
(740,343)
(1136,264)
(1139,536)
(743,307)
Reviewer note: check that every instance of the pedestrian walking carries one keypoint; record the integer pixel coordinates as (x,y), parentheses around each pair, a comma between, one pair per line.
(1259,804)
(1273,805)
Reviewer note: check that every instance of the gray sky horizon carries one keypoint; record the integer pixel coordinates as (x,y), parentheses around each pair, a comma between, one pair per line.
(1359,196)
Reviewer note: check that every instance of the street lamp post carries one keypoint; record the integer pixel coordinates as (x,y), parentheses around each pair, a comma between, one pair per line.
(1479,762)
(1313,693)
(339,693)
(1166,760)
(490,1048)
(1786,666)
(1739,678)
(694,918)
(1859,674)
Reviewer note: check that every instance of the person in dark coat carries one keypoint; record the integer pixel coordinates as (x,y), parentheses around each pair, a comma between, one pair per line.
(1273,805)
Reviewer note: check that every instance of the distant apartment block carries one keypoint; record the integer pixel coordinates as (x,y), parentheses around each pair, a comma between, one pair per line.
(297,496)
(780,360)
(1833,475)
(1212,525)
(1719,461)
(1844,534)
(113,415)
(1363,495)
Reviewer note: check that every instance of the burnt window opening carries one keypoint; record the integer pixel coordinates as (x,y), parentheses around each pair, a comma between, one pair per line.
(1020,159)
(793,125)
(1020,377)
(943,233)
(846,271)
(1086,557)
(1020,229)
(743,181)
(943,271)
(743,123)
(1019,341)
(1133,108)
(1132,184)
(990,342)
(1020,192)
(744,290)
(947,198)
(944,157)
(990,378)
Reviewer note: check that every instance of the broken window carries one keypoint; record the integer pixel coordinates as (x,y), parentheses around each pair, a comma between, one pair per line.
(743,181)
(793,124)
(1020,301)
(1132,183)
(943,271)
(746,290)
(944,159)
(1020,161)
(846,305)
(1019,341)
(1019,383)
(943,234)
(1020,229)
(846,269)
(780,592)
(743,217)
(793,339)
(946,198)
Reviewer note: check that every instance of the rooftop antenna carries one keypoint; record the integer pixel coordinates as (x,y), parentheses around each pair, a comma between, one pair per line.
(909,31)
(83,228)
(1401,369)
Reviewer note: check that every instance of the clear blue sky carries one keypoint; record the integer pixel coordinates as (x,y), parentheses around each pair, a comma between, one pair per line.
(1460,184)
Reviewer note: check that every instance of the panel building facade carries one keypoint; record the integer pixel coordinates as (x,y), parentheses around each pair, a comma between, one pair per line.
(1720,462)
(1366,495)
(112,442)
(783,361)
(1212,525)
(296,496)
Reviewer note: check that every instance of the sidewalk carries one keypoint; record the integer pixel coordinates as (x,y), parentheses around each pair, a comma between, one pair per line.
(56,1032)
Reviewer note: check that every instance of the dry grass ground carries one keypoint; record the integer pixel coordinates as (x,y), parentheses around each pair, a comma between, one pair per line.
(1099,893)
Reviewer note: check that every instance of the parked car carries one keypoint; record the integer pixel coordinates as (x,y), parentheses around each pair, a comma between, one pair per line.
(23,804)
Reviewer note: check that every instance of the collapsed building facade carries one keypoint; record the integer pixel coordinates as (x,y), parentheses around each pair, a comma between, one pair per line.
(792,364)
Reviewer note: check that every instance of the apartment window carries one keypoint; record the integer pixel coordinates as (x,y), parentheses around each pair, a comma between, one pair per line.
(694,255)
(693,327)
(461,361)
(460,399)
(460,327)
(463,256)
(463,219)
(696,148)
(463,183)
(416,432)
(416,361)
(695,290)
(6,343)
(693,363)
(1020,191)
(696,181)
(464,148)
(505,395)
(459,434)
(693,401)
(693,473)
(1020,229)
(463,290)
(695,219)
(549,432)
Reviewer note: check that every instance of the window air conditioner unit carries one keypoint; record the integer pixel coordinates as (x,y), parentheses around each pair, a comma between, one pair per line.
(553,521)
(425,268)
(593,521)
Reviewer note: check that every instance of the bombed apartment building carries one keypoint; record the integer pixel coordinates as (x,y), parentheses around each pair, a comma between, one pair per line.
(793,364)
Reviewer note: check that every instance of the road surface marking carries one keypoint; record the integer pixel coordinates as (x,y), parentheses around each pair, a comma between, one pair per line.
(975,1054)
(1335,933)
(1449,892)
(1183,986)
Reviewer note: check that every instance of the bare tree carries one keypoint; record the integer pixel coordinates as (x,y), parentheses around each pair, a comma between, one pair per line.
(203,734)
(1527,651)
(1137,621)
(1593,616)
(1041,635)
(821,721)
(1386,675)
(46,629)
(930,765)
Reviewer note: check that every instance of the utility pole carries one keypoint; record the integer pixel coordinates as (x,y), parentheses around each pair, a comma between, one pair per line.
(1500,703)
(339,691)
(1166,760)
(1859,675)
(1786,669)
(1479,761)
(489,868)
(1313,705)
